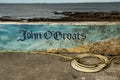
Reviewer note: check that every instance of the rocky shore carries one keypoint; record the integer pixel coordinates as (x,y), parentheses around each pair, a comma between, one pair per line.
(70,16)
(104,47)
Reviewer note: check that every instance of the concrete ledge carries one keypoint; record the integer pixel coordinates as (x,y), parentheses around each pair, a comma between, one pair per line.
(65,23)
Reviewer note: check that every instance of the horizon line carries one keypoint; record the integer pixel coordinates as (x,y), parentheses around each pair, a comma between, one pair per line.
(56,2)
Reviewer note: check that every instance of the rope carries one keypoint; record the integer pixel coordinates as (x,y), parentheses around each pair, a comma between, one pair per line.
(81,67)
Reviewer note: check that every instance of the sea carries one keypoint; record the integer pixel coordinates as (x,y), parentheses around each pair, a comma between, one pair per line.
(47,10)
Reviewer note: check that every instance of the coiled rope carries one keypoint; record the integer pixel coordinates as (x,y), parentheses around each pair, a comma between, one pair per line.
(87,68)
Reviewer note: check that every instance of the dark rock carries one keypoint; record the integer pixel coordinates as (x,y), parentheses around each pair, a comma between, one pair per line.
(9,18)
(72,16)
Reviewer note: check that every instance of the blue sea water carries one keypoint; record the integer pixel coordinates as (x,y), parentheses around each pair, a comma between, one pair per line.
(10,34)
